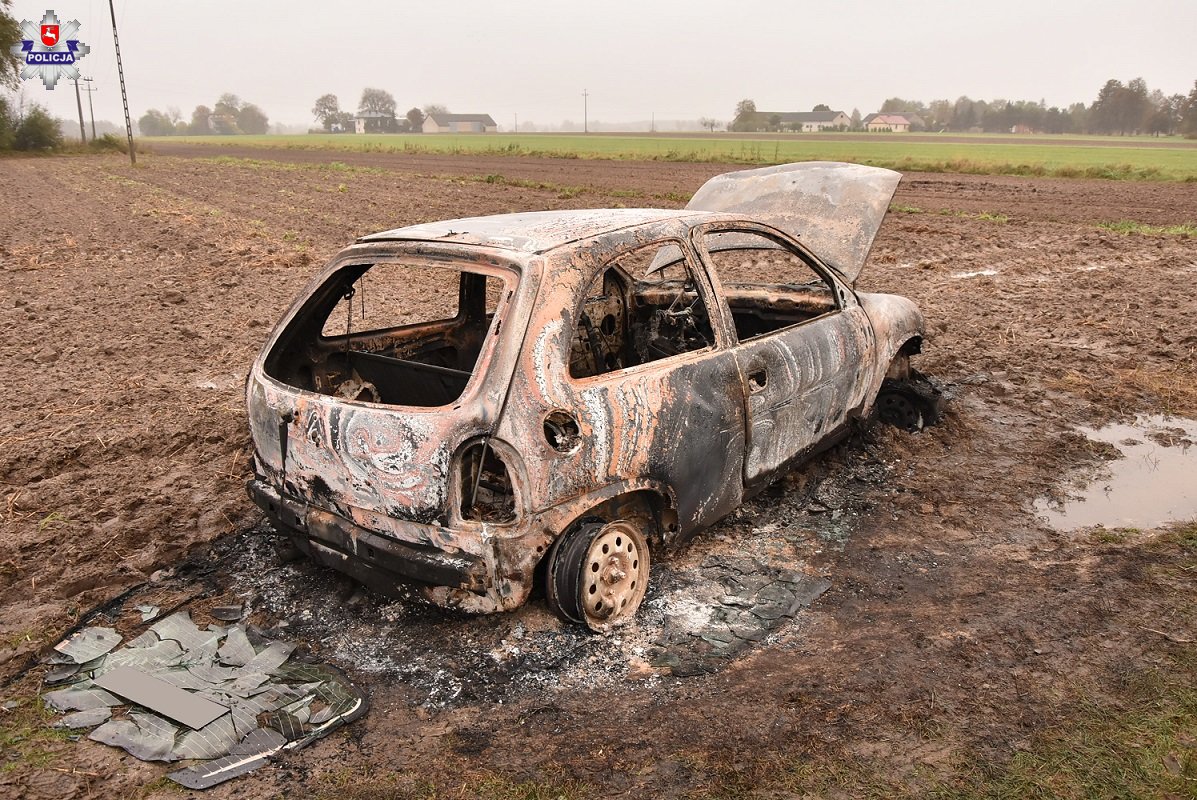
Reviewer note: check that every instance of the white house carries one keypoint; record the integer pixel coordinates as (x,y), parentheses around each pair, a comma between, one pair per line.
(374,122)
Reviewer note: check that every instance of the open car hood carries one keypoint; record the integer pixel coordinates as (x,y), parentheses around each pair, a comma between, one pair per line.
(834,209)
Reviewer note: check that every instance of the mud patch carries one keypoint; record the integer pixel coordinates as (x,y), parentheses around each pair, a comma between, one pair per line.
(1151,483)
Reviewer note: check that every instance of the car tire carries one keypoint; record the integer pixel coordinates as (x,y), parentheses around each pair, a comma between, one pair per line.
(597,574)
(910,404)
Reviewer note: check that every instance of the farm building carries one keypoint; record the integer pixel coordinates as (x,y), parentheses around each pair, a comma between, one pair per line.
(374,122)
(459,123)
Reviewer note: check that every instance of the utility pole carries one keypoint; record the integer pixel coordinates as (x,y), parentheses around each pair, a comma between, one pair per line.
(585,111)
(79,103)
(124,96)
(516,129)
(90,108)
(653,125)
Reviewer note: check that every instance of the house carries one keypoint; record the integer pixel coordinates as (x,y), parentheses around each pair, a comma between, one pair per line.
(805,121)
(888,123)
(459,123)
(374,122)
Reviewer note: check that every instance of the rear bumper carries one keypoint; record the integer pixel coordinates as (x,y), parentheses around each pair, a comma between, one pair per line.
(378,561)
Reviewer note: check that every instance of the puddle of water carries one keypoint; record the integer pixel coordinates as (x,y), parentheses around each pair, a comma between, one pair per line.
(1154,483)
(977,274)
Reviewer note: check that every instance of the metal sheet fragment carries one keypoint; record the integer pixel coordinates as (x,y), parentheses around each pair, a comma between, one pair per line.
(147,690)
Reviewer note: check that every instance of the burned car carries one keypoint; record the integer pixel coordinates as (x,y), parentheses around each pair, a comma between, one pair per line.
(479,406)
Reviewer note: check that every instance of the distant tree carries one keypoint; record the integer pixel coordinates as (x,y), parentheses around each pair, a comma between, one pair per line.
(327,109)
(342,122)
(964,114)
(940,115)
(37,131)
(1121,109)
(251,119)
(200,121)
(1189,114)
(821,107)
(8,125)
(155,123)
(896,105)
(227,104)
(708,123)
(415,119)
(1054,120)
(435,108)
(1164,117)
(10,37)
(856,121)
(377,100)
(745,116)
(224,114)
(774,121)
(1078,119)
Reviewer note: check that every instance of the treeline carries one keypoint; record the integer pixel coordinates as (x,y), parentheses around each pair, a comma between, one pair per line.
(31,129)
(1122,109)
(229,116)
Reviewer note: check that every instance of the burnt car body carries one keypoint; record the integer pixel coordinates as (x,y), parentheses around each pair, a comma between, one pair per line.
(553,396)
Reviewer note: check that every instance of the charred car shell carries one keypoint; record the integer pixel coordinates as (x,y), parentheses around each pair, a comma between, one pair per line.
(590,386)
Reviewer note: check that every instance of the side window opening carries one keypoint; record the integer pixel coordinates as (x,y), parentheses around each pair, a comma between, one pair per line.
(768,285)
(643,306)
(394,332)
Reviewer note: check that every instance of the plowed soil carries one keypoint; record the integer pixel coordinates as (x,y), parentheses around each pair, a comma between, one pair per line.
(959,630)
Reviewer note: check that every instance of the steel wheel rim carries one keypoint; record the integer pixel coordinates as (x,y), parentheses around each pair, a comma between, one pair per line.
(614,576)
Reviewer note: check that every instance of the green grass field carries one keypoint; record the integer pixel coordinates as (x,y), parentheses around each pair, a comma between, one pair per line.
(1022,156)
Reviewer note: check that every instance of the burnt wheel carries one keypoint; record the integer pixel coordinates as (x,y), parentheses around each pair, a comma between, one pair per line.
(597,574)
(909,404)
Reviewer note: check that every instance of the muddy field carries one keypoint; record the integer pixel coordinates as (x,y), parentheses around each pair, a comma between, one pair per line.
(954,641)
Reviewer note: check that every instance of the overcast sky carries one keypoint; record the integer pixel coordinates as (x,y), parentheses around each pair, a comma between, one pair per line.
(679,60)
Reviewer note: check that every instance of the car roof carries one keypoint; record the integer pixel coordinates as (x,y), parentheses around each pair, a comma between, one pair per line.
(532,232)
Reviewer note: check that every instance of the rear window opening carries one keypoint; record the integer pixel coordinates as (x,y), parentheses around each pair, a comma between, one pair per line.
(397,333)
